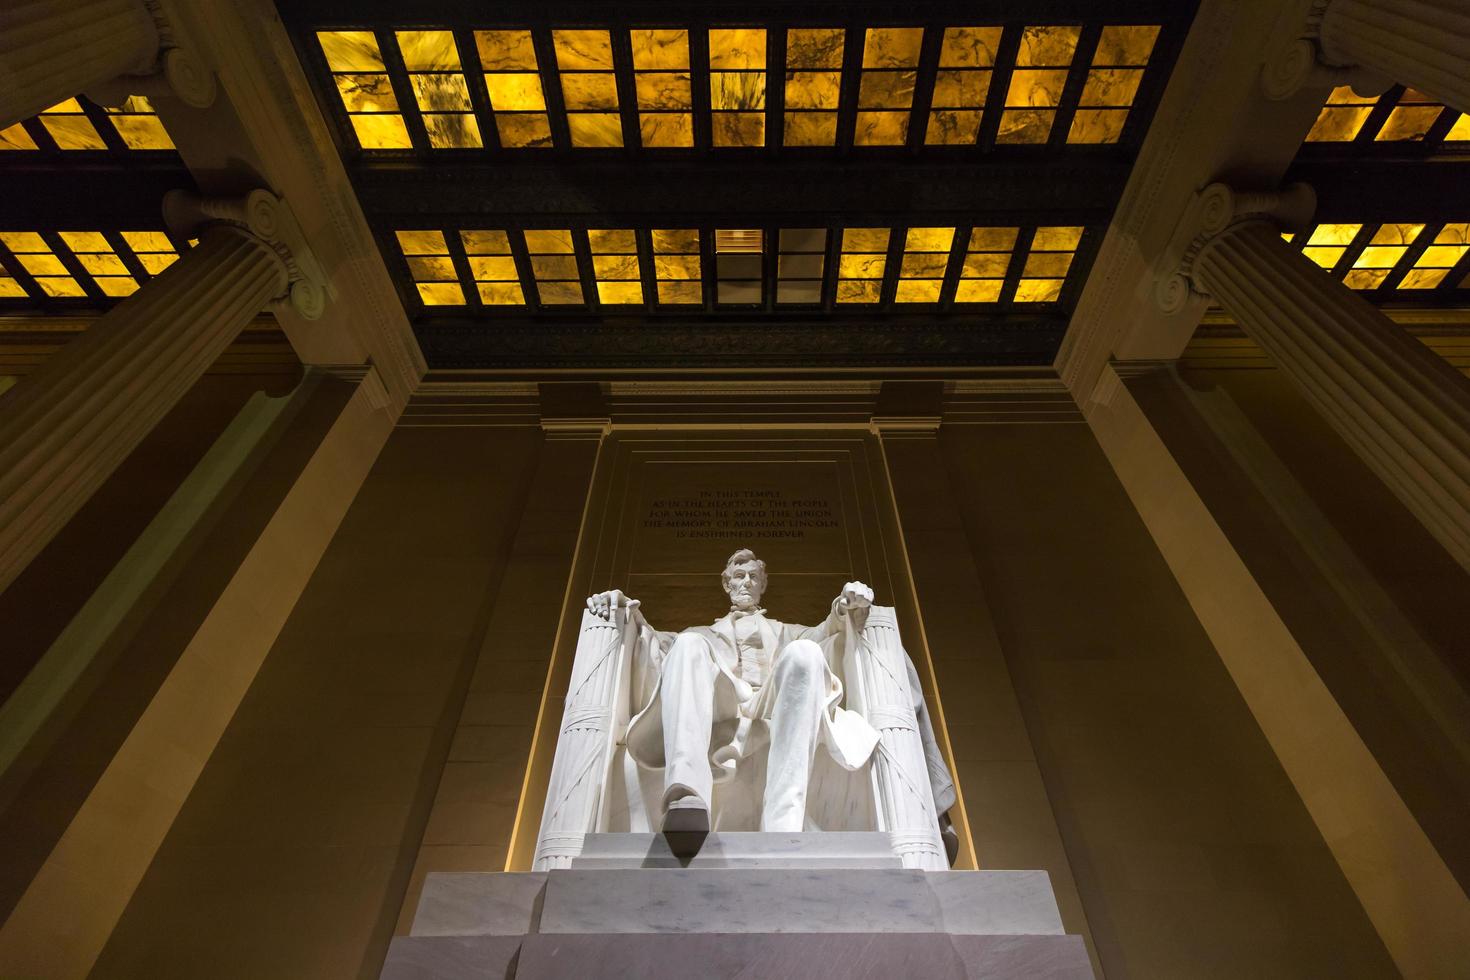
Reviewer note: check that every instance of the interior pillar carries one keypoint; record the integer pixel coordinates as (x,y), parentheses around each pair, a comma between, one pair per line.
(68,426)
(1401,407)
(1423,44)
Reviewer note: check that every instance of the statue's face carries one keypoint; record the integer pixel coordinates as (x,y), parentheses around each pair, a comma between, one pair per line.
(745,584)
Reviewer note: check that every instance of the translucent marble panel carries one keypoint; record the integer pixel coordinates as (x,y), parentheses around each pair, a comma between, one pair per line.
(1341,117)
(737,90)
(515,91)
(366,93)
(95,254)
(819,47)
(1045,270)
(961,85)
(348,51)
(441,93)
(1126,44)
(655,50)
(677,266)
(583,50)
(497,283)
(892,47)
(589,91)
(813,85)
(432,51)
(70,127)
(861,265)
(1410,119)
(452,131)
(595,129)
(1112,83)
(506,51)
(615,266)
(925,258)
(554,266)
(665,90)
(138,125)
(1047,46)
(523,130)
(381,132)
(666,129)
(737,84)
(440,293)
(16,138)
(881,129)
(890,55)
(1449,246)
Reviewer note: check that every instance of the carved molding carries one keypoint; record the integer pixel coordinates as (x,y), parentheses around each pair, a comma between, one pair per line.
(266,217)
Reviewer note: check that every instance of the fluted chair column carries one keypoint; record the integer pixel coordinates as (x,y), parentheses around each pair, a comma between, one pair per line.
(1423,44)
(1401,407)
(67,427)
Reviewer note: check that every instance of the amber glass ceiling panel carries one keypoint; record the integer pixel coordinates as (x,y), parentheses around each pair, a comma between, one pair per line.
(513,84)
(966,63)
(1393,258)
(578,271)
(813,85)
(589,89)
(1400,116)
(1036,84)
(661,79)
(80,264)
(886,92)
(737,86)
(613,86)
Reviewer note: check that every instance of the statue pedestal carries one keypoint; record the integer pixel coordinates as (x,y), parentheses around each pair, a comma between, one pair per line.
(723,918)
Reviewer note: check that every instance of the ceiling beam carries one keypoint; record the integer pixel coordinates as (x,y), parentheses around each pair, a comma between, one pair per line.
(72,195)
(1081,189)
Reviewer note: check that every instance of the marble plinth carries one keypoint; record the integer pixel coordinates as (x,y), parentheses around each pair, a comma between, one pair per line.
(833,849)
(808,922)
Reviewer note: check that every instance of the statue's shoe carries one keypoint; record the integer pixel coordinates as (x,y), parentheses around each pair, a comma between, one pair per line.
(688,815)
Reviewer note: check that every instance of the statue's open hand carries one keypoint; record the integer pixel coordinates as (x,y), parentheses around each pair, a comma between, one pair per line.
(603,604)
(855,595)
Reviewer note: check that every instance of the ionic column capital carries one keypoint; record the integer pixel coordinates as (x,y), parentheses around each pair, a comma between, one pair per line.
(1301,64)
(263,216)
(1216,210)
(175,71)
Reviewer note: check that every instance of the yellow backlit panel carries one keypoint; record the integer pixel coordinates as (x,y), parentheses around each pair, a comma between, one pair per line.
(365,89)
(862,264)
(554,266)
(925,257)
(100,260)
(49,273)
(70,128)
(987,259)
(1047,263)
(813,84)
(1036,84)
(615,266)
(492,267)
(1449,246)
(139,126)
(1410,119)
(1112,83)
(1459,132)
(886,90)
(584,62)
(152,249)
(663,88)
(1341,116)
(1384,250)
(737,86)
(676,266)
(739,276)
(801,265)
(439,87)
(431,268)
(1328,242)
(513,82)
(16,138)
(966,60)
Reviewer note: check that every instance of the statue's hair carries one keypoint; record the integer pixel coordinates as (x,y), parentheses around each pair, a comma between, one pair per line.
(740,558)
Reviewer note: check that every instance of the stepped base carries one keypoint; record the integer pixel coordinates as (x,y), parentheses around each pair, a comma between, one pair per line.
(628,912)
(839,849)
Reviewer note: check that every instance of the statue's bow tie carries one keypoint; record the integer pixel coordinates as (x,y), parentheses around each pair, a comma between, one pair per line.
(738,613)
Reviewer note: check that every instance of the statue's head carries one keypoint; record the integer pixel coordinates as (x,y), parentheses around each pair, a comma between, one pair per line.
(744,579)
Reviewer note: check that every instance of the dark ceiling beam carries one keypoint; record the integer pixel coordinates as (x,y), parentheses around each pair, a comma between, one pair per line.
(76,196)
(1390,188)
(658,342)
(330,13)
(1082,190)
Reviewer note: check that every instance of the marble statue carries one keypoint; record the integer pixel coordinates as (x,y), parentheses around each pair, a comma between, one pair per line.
(747,724)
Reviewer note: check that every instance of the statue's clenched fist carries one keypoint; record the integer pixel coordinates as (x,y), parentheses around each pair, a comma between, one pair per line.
(604,603)
(855,595)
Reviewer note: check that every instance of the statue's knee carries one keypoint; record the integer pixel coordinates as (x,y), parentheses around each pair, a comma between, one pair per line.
(687,646)
(802,656)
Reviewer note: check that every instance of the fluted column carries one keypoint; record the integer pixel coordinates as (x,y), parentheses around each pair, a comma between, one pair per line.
(1423,44)
(53,50)
(65,429)
(1400,406)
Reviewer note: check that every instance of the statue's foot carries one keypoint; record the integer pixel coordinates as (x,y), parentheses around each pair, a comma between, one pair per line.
(686,815)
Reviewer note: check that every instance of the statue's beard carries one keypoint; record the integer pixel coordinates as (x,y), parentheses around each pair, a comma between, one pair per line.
(745,600)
